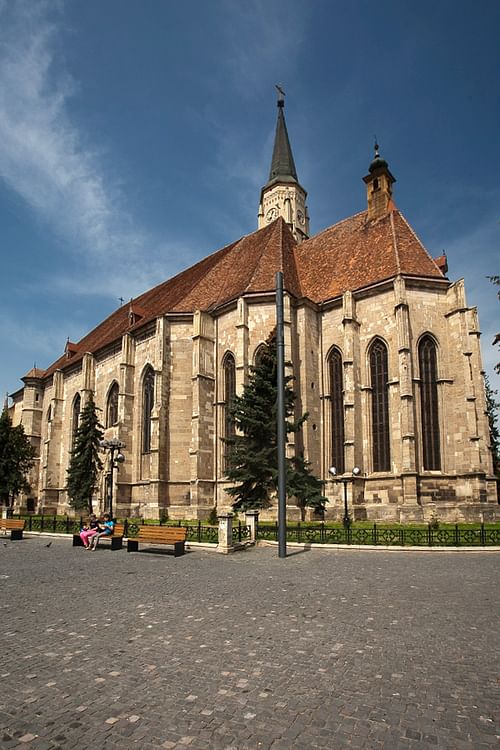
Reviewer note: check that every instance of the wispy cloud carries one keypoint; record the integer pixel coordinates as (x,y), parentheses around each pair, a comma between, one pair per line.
(47,160)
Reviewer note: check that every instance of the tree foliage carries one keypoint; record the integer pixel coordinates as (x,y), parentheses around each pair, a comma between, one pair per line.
(16,459)
(85,463)
(492,406)
(496,340)
(252,458)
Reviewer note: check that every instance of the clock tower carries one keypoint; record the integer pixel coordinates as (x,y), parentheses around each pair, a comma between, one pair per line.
(283,195)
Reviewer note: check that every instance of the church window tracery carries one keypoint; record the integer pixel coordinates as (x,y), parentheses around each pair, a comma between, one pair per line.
(112,406)
(429,411)
(229,370)
(75,413)
(336,410)
(381,452)
(148,391)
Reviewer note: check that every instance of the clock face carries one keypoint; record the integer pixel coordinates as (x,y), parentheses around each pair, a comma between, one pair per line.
(300,217)
(272,214)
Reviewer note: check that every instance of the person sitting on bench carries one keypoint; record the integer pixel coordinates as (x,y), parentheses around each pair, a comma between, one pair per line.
(91,528)
(105,529)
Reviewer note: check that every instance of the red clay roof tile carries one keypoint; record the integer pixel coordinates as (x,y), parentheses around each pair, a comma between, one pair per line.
(350,255)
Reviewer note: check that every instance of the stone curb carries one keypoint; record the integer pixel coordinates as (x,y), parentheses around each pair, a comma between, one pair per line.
(385,548)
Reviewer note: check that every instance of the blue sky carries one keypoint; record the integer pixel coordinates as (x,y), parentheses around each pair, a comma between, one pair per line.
(135,138)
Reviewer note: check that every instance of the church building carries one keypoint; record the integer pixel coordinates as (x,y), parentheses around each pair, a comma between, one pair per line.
(383,347)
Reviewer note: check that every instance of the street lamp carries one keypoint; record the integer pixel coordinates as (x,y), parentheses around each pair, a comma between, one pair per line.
(113,446)
(346,521)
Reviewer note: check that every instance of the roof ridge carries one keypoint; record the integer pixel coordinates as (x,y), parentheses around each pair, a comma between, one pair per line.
(417,238)
(337,224)
(395,242)
(264,249)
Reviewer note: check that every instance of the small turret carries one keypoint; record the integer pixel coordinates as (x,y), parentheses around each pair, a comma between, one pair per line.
(379,182)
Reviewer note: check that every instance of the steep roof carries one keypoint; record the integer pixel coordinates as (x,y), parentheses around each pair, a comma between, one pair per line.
(244,267)
(357,253)
(351,255)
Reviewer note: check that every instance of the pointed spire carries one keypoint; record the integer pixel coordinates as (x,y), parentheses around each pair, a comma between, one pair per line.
(282,163)
(282,195)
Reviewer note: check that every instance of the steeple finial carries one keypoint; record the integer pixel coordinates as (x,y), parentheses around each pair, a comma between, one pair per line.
(281,95)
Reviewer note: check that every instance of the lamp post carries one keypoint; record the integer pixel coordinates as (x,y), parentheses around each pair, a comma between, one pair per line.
(115,457)
(346,521)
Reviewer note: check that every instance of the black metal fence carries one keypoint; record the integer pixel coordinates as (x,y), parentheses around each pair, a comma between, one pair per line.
(404,536)
(428,536)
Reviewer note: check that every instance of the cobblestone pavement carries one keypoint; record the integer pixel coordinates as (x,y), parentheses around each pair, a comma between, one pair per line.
(359,649)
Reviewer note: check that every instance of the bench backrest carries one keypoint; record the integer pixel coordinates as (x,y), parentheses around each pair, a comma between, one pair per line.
(11,523)
(119,529)
(168,534)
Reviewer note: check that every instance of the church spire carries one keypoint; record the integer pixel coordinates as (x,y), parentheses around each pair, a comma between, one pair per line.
(282,164)
(282,195)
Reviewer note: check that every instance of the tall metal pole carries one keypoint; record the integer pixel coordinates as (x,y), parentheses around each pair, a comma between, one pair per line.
(112,457)
(347,520)
(281,433)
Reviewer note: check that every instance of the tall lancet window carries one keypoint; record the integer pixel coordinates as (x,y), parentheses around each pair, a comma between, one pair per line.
(259,353)
(379,372)
(229,430)
(427,360)
(336,410)
(148,395)
(75,415)
(112,406)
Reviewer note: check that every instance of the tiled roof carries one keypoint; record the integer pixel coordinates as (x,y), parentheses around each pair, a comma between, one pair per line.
(352,254)
(356,253)
(35,372)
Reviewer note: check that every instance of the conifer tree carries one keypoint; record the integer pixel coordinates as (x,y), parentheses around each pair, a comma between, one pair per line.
(16,459)
(492,406)
(85,463)
(252,452)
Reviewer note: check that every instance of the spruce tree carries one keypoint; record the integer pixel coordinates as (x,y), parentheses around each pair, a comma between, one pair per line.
(252,453)
(85,463)
(492,406)
(16,459)
(496,340)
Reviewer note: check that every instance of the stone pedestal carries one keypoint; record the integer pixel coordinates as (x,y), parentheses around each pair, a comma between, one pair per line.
(225,545)
(251,520)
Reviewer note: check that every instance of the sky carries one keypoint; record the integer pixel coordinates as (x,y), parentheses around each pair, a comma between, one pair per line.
(135,138)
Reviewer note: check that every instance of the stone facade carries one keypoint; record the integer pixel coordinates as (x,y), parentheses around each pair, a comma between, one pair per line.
(182,474)
(366,280)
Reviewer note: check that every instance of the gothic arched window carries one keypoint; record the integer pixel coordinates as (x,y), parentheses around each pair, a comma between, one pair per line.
(336,410)
(259,353)
(148,394)
(379,373)
(75,416)
(427,361)
(112,406)
(228,426)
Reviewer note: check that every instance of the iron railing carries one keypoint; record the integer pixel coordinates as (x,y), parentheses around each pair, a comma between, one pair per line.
(428,536)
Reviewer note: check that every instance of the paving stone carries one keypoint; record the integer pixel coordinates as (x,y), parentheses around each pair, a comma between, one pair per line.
(340,649)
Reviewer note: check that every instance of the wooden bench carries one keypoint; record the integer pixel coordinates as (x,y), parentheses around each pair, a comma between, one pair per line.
(175,535)
(14,525)
(115,539)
